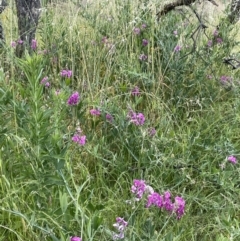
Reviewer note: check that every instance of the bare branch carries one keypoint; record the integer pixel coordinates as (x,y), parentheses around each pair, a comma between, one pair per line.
(171,6)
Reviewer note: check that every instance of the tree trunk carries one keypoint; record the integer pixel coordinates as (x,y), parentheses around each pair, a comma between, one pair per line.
(234,11)
(28,12)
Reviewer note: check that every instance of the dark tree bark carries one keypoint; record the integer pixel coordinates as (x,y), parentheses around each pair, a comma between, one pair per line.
(234,11)
(28,12)
(171,6)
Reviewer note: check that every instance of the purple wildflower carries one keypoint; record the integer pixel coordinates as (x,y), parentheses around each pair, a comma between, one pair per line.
(144,42)
(177,48)
(20,41)
(34,44)
(138,188)
(81,140)
(66,73)
(209,43)
(44,80)
(175,32)
(219,41)
(57,92)
(75,238)
(13,44)
(109,118)
(215,33)
(225,79)
(155,199)
(232,159)
(137,118)
(136,31)
(135,91)
(179,206)
(95,112)
(73,99)
(167,203)
(120,225)
(143,57)
(144,25)
(47,84)
(152,131)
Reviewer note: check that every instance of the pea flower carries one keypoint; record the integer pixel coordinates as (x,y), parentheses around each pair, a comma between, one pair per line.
(135,91)
(95,112)
(75,238)
(120,225)
(109,117)
(155,199)
(232,159)
(66,73)
(179,206)
(34,44)
(73,99)
(138,188)
(81,140)
(136,118)
(136,31)
(144,42)
(177,48)
(143,57)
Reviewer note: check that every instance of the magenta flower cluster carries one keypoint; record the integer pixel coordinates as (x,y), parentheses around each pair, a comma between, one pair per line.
(136,118)
(66,73)
(95,112)
(232,159)
(139,188)
(120,225)
(225,79)
(73,99)
(79,139)
(34,44)
(45,82)
(75,238)
(135,91)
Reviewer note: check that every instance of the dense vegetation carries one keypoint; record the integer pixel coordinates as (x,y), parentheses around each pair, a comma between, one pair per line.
(118,126)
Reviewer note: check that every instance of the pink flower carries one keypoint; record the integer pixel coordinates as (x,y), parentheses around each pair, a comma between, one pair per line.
(73,99)
(215,33)
(179,206)
(137,118)
(136,31)
(66,73)
(138,188)
(144,42)
(109,117)
(81,140)
(20,41)
(47,84)
(13,44)
(152,131)
(175,32)
(135,91)
(95,112)
(155,199)
(34,44)
(232,159)
(219,41)
(44,80)
(75,238)
(209,43)
(177,48)
(143,57)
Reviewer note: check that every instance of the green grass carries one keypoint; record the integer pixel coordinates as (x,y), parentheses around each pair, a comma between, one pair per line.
(52,188)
